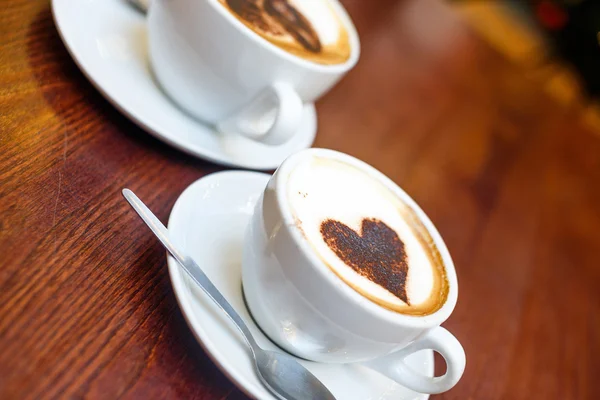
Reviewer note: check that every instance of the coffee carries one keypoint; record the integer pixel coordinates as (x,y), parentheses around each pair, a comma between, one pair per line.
(367,236)
(310,29)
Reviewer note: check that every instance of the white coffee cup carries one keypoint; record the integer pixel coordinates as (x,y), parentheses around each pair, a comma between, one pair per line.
(306,309)
(223,73)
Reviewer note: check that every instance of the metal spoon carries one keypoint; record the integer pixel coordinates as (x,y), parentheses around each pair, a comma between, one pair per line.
(285,377)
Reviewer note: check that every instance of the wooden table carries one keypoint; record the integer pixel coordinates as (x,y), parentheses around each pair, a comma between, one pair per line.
(511,180)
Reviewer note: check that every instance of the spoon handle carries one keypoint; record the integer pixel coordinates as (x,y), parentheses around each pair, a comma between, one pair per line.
(188,264)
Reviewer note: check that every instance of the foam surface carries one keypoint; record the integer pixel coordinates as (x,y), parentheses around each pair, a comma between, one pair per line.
(324,40)
(321,189)
(323,19)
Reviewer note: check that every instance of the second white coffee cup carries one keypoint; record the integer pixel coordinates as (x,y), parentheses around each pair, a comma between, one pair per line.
(304,307)
(223,73)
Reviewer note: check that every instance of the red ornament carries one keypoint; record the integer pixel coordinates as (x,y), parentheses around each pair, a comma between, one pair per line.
(551,16)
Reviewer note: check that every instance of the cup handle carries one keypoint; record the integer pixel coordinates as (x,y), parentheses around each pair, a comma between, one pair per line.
(272,117)
(437,339)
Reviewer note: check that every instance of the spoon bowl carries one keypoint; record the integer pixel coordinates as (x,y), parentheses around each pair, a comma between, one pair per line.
(282,373)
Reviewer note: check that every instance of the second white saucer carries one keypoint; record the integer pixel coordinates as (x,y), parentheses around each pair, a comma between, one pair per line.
(107,39)
(208,221)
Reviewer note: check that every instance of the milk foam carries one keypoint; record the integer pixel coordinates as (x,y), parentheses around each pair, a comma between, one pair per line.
(321,189)
(322,17)
(325,41)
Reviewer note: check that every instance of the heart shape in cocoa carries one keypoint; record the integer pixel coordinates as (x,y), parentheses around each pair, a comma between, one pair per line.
(294,23)
(284,16)
(377,253)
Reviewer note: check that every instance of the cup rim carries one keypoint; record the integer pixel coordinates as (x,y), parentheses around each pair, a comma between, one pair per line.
(260,41)
(393,317)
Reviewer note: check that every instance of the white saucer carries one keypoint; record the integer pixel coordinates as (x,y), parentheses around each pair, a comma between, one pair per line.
(208,221)
(108,41)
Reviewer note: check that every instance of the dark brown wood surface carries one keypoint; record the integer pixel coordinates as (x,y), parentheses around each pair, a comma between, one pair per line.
(510,178)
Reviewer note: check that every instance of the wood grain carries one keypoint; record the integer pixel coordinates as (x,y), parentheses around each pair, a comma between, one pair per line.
(509,177)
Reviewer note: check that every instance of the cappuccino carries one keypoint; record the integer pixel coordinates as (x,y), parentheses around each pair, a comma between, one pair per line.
(310,29)
(367,236)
